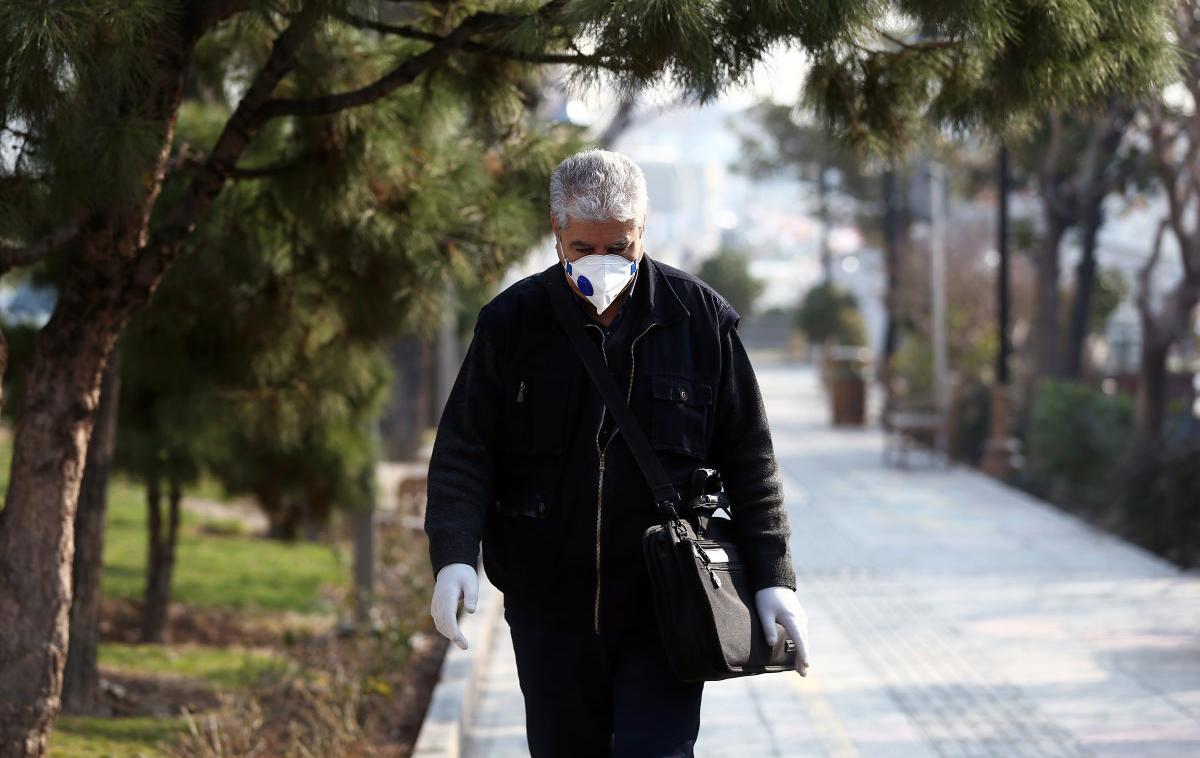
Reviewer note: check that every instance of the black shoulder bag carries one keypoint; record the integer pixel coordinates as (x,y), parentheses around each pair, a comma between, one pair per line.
(702,593)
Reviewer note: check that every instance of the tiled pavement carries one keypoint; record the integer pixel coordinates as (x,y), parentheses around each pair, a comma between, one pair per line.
(950,615)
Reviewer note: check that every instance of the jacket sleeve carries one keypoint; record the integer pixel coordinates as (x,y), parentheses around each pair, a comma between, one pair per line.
(744,454)
(461,463)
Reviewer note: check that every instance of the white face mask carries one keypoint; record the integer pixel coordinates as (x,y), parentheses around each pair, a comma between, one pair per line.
(600,277)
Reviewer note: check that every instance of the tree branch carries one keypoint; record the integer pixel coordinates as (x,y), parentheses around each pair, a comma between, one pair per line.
(155,256)
(11,257)
(407,71)
(1143,295)
(274,169)
(470,46)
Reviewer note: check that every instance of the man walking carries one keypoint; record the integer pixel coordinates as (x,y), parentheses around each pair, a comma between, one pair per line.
(529,461)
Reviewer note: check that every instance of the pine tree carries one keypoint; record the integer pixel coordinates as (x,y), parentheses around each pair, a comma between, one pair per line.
(91,99)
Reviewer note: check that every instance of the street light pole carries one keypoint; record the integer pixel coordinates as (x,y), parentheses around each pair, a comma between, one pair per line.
(937,247)
(997,454)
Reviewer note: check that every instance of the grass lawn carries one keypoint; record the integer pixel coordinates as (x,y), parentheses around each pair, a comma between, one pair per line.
(217,666)
(216,570)
(83,737)
(216,567)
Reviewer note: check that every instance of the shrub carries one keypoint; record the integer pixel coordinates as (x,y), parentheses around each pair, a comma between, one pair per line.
(972,421)
(1159,502)
(1076,436)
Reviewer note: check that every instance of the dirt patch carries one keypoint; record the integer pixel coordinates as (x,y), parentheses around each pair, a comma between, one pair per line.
(412,701)
(127,694)
(121,621)
(350,693)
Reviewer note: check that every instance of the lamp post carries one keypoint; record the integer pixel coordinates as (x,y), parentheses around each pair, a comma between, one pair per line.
(997,452)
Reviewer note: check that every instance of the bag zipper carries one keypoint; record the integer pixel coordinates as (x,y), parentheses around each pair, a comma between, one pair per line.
(712,567)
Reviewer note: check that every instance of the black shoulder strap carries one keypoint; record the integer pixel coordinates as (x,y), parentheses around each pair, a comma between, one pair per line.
(666,499)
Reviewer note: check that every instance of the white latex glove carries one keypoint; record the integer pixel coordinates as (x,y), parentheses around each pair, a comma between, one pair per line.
(455,581)
(780,605)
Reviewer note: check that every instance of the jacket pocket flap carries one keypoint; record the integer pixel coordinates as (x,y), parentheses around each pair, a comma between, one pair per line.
(681,389)
(526,504)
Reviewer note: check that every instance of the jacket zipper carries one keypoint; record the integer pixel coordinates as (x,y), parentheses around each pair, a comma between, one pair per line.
(600,452)
(599,493)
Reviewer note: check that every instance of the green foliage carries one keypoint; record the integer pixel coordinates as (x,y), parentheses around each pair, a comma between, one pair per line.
(883,73)
(1076,435)
(66,70)
(829,314)
(728,271)
(1111,290)
(912,369)
(699,47)
(997,65)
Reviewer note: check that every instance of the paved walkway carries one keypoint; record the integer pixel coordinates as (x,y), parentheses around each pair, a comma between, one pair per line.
(950,615)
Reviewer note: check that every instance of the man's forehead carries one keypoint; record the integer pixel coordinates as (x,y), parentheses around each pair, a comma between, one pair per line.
(589,232)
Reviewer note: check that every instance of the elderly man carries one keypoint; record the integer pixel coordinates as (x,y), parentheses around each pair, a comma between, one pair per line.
(528,460)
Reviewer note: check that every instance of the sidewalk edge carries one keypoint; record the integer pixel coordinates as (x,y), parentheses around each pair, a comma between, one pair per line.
(443,732)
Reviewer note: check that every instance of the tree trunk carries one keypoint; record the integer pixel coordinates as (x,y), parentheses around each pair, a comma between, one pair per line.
(1085,286)
(1046,328)
(81,678)
(1152,388)
(37,535)
(891,293)
(161,563)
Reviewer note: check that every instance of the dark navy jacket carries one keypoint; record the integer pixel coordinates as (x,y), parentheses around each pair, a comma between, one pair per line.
(528,460)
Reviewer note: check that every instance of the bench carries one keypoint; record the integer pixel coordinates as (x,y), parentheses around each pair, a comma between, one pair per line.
(903,428)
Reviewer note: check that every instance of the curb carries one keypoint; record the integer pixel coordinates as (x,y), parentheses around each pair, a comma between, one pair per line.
(443,731)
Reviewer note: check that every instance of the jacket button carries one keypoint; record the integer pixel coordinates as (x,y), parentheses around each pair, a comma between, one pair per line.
(682,394)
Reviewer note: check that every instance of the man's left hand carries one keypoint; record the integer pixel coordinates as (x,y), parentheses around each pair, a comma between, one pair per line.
(779,605)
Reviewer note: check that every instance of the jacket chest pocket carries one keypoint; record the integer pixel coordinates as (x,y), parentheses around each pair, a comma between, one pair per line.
(536,412)
(680,408)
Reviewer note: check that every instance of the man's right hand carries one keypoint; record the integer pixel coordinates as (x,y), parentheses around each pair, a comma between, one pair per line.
(456,581)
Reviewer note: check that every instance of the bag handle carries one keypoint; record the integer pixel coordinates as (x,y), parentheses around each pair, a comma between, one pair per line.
(666,498)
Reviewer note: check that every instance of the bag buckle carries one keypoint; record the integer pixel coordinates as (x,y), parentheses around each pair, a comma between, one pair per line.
(667,507)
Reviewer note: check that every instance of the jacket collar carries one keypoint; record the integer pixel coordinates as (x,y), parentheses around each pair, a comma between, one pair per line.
(654,290)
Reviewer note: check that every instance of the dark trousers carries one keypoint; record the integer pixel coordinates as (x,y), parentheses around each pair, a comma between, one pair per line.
(595,695)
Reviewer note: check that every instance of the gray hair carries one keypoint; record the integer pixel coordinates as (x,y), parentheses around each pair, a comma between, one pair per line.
(597,185)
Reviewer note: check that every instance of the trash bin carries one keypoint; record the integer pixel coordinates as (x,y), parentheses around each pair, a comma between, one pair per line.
(845,368)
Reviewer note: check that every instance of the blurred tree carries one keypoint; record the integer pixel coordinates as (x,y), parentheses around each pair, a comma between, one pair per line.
(829,314)
(1172,129)
(783,143)
(729,272)
(283,88)
(1074,163)
(783,140)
